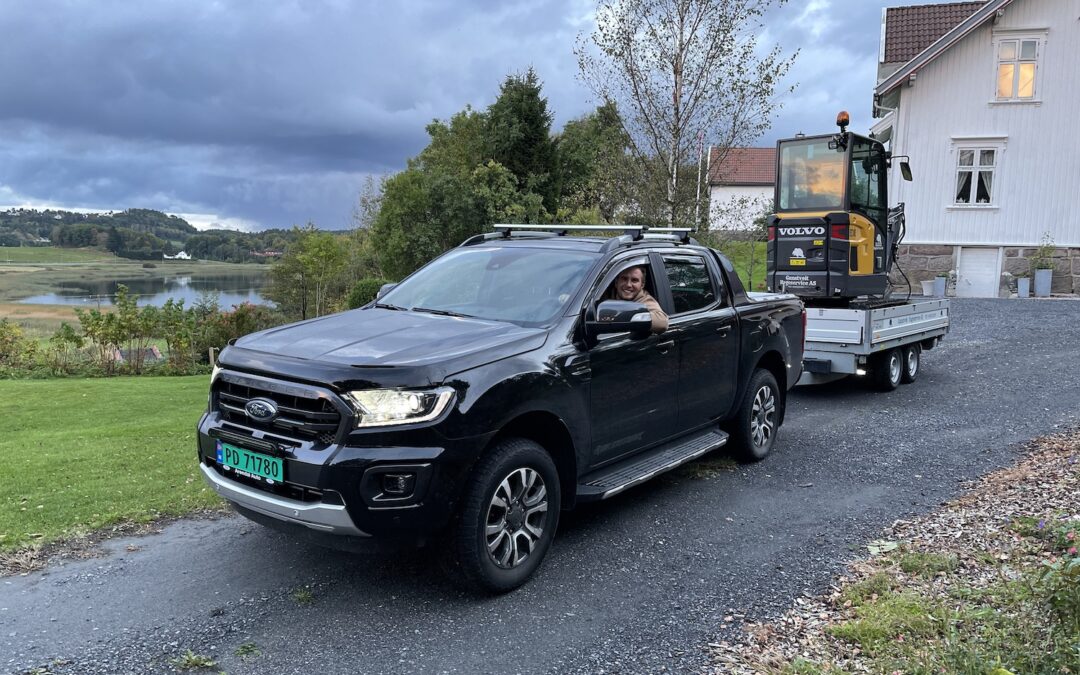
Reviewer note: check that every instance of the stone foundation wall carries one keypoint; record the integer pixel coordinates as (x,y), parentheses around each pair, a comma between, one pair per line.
(922,262)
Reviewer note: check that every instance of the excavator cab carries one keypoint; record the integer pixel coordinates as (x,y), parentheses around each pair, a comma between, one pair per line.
(833,236)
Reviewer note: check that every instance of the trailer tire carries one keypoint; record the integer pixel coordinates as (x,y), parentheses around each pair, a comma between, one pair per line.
(912,363)
(888,369)
(757,421)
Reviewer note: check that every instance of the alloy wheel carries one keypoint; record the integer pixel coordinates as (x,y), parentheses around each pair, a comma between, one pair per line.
(762,416)
(516,517)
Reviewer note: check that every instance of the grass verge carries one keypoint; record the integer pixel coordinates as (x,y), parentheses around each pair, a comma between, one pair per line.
(80,455)
(52,254)
(988,585)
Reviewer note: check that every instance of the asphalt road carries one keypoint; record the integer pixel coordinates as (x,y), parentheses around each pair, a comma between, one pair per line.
(636,584)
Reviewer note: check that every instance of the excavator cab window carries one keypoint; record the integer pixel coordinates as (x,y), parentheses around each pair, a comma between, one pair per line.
(869,194)
(812,176)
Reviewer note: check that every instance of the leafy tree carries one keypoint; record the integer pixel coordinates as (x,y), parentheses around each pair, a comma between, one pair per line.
(423,214)
(519,137)
(595,165)
(458,146)
(682,71)
(301,282)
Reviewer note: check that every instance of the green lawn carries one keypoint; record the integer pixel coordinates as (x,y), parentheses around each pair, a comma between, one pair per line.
(742,254)
(52,254)
(78,455)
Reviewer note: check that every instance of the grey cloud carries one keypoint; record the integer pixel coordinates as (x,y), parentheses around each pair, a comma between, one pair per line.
(276,111)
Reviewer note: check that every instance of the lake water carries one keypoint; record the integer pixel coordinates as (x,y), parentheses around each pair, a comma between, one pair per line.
(231,290)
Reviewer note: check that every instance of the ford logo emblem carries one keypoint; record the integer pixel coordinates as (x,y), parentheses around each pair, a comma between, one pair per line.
(261,409)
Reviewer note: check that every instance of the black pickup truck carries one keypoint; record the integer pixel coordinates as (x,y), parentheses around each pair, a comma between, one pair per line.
(495,387)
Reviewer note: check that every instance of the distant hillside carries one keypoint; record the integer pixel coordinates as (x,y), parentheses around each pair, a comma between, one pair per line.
(141,234)
(145,221)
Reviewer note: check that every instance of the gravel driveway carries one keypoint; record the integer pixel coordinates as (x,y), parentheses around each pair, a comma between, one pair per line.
(636,584)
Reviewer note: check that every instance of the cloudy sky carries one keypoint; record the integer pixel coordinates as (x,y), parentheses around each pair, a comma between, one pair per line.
(256,113)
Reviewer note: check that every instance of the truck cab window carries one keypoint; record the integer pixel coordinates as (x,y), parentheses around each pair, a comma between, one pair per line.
(691,286)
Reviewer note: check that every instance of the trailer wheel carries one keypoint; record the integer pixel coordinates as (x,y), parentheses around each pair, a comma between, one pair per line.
(912,363)
(888,369)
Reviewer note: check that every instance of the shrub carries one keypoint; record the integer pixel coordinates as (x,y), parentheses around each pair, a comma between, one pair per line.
(365,291)
(16,350)
(149,266)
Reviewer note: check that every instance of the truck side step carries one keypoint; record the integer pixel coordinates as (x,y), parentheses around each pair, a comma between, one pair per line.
(611,480)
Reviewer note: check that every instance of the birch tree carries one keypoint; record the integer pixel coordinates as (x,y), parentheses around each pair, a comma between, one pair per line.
(683,73)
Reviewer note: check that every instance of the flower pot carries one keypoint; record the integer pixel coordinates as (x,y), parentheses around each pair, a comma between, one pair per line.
(928,287)
(1023,287)
(939,286)
(1042,283)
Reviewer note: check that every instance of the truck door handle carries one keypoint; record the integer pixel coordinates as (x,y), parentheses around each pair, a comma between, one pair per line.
(665,346)
(723,331)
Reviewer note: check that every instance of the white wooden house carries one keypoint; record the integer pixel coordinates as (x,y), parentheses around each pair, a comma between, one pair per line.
(741,186)
(983,98)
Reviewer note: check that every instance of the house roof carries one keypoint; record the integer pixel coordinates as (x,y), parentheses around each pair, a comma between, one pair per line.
(743,166)
(977,18)
(909,30)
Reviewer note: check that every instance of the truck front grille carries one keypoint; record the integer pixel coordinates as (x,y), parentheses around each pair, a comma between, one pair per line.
(309,418)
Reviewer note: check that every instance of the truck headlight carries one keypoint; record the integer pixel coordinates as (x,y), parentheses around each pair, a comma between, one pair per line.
(384,407)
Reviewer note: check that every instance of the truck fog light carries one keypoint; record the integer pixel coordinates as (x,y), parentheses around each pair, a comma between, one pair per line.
(398,484)
(860,371)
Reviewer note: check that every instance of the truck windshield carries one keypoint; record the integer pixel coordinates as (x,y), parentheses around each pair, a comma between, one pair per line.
(811,176)
(527,286)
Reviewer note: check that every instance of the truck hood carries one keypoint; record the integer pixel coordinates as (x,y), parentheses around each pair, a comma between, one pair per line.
(381,345)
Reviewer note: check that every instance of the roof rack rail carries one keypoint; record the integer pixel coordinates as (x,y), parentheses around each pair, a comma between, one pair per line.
(562,230)
(630,233)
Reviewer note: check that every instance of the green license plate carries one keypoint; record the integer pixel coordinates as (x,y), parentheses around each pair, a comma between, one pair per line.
(250,464)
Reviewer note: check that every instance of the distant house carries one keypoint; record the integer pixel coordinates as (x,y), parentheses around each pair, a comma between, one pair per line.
(179,256)
(982,96)
(741,184)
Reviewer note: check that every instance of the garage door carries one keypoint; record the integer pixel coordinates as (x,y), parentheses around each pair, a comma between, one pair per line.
(978,273)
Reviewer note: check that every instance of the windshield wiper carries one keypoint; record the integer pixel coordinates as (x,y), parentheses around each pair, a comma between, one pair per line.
(441,312)
(383,305)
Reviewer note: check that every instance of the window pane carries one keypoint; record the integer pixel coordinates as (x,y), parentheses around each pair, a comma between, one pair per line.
(963,187)
(982,195)
(1007,51)
(986,158)
(691,288)
(1005,80)
(1027,49)
(1027,80)
(967,157)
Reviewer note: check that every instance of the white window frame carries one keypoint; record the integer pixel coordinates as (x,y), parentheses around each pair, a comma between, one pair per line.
(976,143)
(1019,36)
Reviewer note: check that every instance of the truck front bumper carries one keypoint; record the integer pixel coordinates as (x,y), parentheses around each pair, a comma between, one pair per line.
(318,516)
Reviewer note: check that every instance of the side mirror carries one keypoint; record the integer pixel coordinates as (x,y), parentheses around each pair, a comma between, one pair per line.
(905,170)
(386,288)
(619,316)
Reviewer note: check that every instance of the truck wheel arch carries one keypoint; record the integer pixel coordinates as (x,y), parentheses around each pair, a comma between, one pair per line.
(548,430)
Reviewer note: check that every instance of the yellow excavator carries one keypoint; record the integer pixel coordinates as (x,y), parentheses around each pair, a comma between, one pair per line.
(833,238)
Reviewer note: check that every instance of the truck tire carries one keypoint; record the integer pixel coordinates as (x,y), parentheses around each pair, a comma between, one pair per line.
(912,363)
(888,369)
(507,518)
(757,421)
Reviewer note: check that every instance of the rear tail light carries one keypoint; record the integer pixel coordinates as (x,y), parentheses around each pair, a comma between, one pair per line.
(772,232)
(839,232)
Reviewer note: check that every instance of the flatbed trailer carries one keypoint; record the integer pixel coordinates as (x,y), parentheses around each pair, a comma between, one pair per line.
(885,342)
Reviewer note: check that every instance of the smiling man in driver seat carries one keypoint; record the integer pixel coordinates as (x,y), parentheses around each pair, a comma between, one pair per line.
(630,285)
